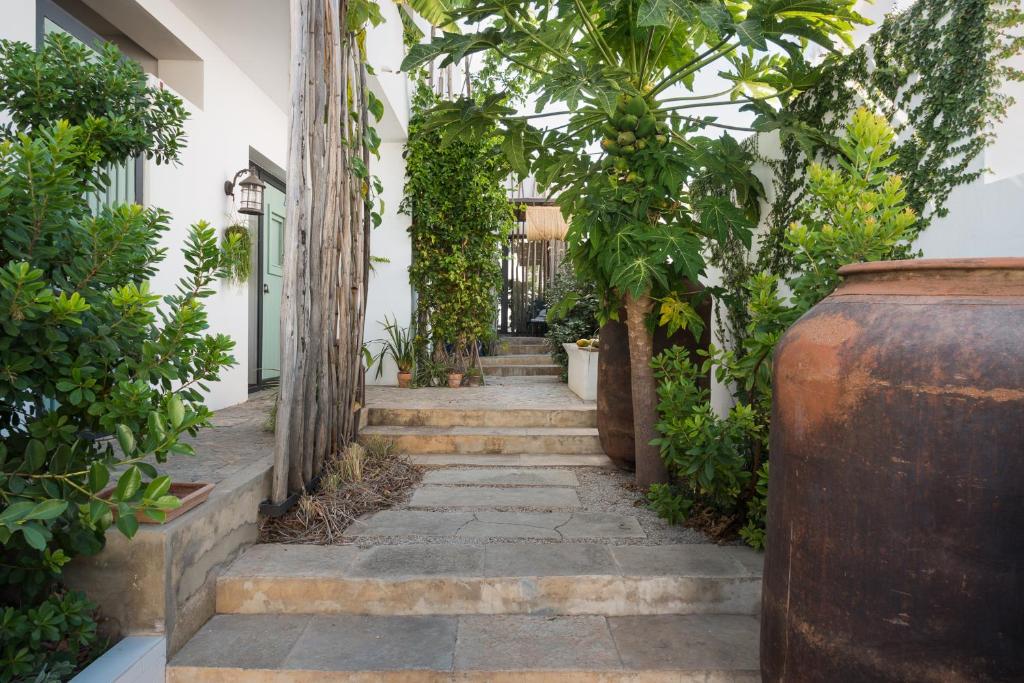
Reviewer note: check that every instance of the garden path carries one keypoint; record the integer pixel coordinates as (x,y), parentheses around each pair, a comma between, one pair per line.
(522,556)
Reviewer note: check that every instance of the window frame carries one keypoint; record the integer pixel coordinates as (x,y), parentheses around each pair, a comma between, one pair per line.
(48,9)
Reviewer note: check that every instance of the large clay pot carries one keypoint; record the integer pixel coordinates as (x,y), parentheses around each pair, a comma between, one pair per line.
(614,385)
(897,479)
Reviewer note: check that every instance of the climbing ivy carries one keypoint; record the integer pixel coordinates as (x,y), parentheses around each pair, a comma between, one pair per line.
(934,72)
(461,217)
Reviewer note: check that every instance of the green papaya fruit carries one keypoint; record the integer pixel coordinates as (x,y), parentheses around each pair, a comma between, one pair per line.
(645,126)
(637,106)
(662,140)
(634,177)
(626,138)
(627,149)
(609,130)
(610,146)
(621,164)
(640,144)
(628,122)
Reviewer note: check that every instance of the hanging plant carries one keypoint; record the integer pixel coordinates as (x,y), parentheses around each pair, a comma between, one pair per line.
(236,253)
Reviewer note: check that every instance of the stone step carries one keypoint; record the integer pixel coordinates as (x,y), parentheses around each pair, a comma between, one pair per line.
(516,348)
(500,578)
(265,648)
(501,476)
(515,440)
(584,416)
(494,498)
(547,370)
(521,359)
(552,526)
(533,460)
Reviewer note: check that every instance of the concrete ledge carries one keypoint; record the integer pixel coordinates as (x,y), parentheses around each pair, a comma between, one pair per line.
(163,582)
(136,659)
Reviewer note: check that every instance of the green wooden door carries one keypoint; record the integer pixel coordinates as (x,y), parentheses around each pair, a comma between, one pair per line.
(273,272)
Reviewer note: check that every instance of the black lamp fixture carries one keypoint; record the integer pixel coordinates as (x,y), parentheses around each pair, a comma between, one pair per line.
(250,195)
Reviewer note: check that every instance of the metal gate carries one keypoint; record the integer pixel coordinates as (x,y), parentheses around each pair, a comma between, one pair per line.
(528,268)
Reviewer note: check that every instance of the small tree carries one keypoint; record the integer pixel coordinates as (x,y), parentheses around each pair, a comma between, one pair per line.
(853,213)
(87,351)
(645,208)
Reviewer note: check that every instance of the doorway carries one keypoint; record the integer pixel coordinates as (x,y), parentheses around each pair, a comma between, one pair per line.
(267,287)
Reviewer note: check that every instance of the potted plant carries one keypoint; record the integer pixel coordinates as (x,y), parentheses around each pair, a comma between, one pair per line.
(455,375)
(399,346)
(236,252)
(474,378)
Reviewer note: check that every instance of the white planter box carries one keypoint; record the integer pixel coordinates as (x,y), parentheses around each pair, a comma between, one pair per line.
(582,371)
(135,659)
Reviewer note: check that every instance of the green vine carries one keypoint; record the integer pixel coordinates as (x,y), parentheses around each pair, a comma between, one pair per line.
(934,72)
(461,217)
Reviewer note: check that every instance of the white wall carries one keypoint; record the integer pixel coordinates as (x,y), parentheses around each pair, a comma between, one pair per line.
(236,114)
(389,293)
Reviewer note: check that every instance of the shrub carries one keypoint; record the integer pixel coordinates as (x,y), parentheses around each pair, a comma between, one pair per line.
(573,312)
(97,373)
(853,213)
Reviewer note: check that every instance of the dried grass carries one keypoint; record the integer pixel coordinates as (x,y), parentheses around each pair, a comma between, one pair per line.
(364,479)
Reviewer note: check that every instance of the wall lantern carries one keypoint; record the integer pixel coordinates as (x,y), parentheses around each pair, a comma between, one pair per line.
(250,195)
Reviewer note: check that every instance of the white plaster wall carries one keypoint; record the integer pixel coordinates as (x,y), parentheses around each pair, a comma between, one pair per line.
(236,114)
(389,293)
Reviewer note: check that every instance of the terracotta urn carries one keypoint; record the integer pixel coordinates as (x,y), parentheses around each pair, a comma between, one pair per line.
(404,380)
(614,384)
(897,479)
(454,380)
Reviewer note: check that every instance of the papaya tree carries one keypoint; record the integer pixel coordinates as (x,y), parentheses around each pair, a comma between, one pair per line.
(647,176)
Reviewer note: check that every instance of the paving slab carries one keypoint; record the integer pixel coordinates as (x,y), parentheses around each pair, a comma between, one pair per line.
(689,642)
(296,561)
(524,643)
(693,559)
(600,525)
(409,523)
(247,634)
(511,460)
(502,477)
(522,559)
(391,561)
(492,497)
(374,643)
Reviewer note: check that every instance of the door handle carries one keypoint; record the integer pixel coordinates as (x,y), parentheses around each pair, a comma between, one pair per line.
(266,288)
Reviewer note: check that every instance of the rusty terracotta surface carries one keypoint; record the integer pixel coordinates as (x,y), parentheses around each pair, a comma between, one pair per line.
(614,388)
(897,486)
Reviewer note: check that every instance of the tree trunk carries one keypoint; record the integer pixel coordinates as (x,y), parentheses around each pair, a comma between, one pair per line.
(324,252)
(650,469)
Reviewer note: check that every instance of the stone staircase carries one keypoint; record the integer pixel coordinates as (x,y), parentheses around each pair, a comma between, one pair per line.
(521,357)
(506,564)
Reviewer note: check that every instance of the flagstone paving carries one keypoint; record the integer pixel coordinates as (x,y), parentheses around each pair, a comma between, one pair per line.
(521,557)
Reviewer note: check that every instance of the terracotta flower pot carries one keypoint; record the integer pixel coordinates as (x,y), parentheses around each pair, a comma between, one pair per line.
(897,479)
(454,380)
(190,494)
(614,381)
(404,380)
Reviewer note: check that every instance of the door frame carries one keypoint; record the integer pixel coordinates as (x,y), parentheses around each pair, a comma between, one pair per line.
(270,179)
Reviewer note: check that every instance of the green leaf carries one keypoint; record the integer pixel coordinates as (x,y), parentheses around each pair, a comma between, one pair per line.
(34,536)
(653,13)
(35,455)
(127,523)
(128,484)
(126,439)
(751,33)
(99,475)
(47,509)
(157,488)
(175,411)
(16,512)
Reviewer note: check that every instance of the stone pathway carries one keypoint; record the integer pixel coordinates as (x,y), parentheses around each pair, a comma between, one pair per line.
(521,556)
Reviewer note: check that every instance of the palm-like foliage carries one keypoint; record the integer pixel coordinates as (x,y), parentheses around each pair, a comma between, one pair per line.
(666,181)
